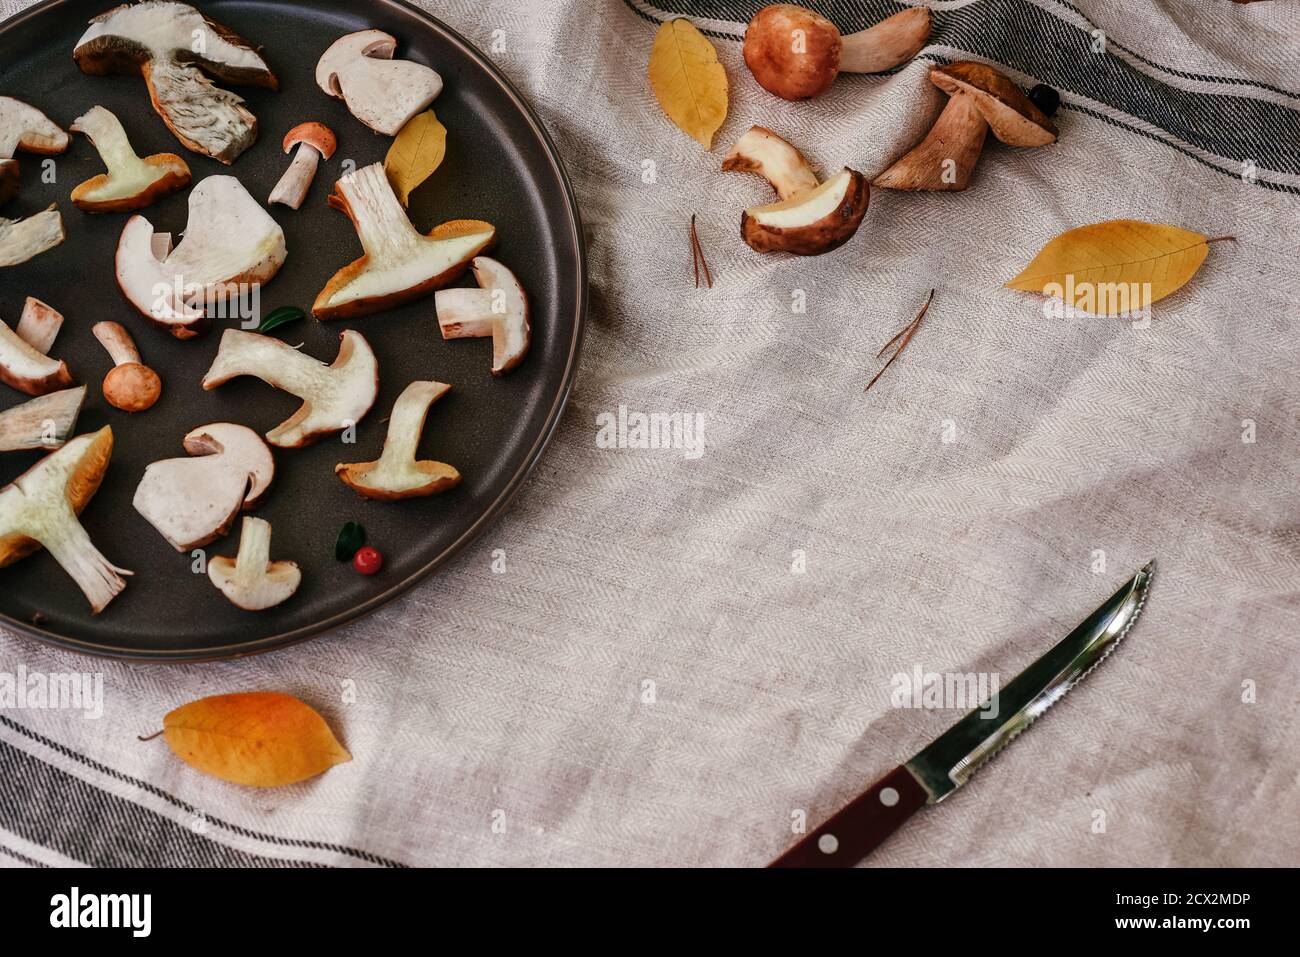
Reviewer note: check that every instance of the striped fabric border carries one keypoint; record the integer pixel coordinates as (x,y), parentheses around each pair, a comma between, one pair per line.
(88,824)
(1248,122)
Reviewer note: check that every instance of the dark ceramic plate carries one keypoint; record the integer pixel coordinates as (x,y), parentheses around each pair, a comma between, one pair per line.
(500,166)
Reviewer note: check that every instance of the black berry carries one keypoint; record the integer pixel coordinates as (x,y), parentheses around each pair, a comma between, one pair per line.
(1045,98)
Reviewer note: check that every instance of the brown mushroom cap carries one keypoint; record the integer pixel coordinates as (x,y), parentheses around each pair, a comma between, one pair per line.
(316,134)
(792,65)
(1009,113)
(132,387)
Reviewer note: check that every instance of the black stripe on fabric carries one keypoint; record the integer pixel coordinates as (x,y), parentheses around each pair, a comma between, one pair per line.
(190,809)
(94,827)
(29,861)
(1231,126)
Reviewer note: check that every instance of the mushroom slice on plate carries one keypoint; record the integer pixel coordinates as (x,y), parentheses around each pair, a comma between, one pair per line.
(173,46)
(39,325)
(399,263)
(131,182)
(28,370)
(498,308)
(397,473)
(812,222)
(250,579)
(40,508)
(381,92)
(41,423)
(980,99)
(25,128)
(192,501)
(334,397)
(231,243)
(21,239)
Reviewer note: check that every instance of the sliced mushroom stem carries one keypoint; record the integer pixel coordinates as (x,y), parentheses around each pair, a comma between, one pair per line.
(333,396)
(396,474)
(131,182)
(945,159)
(252,581)
(40,509)
(39,325)
(9,179)
(28,370)
(498,308)
(45,422)
(884,46)
(399,264)
(293,185)
(762,152)
(22,239)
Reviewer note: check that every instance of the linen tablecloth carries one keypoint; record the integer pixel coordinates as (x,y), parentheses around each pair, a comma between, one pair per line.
(688,653)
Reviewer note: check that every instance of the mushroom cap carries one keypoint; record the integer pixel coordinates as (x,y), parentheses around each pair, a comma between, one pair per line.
(811,223)
(794,66)
(251,580)
(1012,116)
(316,134)
(371,43)
(381,92)
(24,127)
(397,474)
(132,387)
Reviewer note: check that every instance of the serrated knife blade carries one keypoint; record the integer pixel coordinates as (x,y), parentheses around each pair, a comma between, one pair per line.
(949,761)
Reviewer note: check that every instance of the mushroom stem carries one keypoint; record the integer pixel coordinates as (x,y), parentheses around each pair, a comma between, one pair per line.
(39,325)
(293,185)
(114,338)
(946,157)
(884,46)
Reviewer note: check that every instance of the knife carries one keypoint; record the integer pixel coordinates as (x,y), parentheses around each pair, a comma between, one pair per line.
(949,761)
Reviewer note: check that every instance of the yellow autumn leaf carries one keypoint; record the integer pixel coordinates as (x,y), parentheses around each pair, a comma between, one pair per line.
(688,80)
(1121,265)
(416,152)
(260,738)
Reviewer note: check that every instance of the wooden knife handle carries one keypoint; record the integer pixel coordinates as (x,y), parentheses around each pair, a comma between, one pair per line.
(861,825)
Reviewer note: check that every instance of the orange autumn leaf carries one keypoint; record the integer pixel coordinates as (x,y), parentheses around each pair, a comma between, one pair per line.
(688,80)
(261,738)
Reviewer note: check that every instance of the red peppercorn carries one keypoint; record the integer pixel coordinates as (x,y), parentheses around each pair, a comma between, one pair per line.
(368,560)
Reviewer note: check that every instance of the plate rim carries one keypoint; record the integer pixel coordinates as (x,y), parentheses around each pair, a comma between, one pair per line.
(488,515)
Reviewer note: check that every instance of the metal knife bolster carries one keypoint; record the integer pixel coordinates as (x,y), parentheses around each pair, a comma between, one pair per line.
(951,759)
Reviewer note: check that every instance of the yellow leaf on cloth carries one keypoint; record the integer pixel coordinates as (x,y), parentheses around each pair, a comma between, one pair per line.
(416,152)
(1117,266)
(261,738)
(688,80)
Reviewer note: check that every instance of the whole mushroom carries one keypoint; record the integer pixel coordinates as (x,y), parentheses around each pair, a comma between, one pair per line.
(796,53)
(130,385)
(980,99)
(314,141)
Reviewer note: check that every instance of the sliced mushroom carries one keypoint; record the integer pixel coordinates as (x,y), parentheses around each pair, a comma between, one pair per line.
(39,325)
(21,239)
(41,423)
(397,474)
(131,182)
(230,244)
(40,508)
(130,385)
(314,141)
(25,128)
(498,308)
(761,151)
(399,264)
(334,397)
(806,220)
(381,92)
(980,98)
(251,580)
(28,370)
(193,501)
(796,53)
(173,46)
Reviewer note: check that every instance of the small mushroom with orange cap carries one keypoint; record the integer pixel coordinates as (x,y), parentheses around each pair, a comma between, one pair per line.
(130,385)
(314,140)
(980,99)
(796,53)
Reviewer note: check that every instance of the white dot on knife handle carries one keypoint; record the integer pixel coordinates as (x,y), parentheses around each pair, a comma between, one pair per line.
(828,844)
(888,797)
